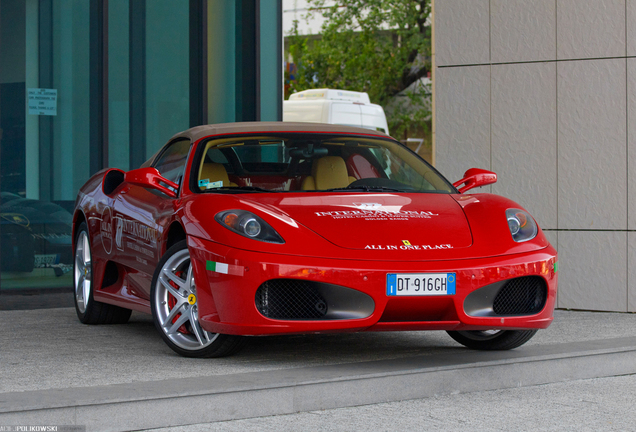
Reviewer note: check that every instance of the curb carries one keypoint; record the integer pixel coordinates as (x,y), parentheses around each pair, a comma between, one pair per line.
(177,402)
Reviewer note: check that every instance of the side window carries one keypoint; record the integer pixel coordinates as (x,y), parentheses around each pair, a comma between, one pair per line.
(172,161)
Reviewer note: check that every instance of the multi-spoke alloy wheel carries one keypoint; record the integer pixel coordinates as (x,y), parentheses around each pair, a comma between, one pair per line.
(492,339)
(88,310)
(176,304)
(82,271)
(175,309)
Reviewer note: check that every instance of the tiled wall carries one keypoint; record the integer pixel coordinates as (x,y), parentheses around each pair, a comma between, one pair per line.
(543,92)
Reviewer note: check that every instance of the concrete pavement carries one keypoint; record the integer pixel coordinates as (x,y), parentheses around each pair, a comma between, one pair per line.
(55,369)
(599,404)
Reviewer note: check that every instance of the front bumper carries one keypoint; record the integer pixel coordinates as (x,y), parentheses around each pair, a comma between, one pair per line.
(226,291)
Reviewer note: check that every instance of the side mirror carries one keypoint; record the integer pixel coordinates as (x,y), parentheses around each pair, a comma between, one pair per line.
(476,177)
(150,178)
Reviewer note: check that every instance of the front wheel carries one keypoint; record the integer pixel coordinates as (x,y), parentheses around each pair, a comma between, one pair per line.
(492,340)
(175,309)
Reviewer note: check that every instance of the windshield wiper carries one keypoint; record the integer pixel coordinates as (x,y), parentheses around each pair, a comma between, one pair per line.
(364,188)
(241,188)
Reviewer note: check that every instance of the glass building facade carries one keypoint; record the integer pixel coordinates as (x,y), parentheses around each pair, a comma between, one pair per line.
(89,84)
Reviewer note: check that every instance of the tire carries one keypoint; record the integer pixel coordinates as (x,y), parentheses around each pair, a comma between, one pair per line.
(492,340)
(175,309)
(88,310)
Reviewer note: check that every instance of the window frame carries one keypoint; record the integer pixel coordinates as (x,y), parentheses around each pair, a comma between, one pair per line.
(202,144)
(159,155)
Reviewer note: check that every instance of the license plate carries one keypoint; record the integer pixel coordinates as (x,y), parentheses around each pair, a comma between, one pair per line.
(420,284)
(44,260)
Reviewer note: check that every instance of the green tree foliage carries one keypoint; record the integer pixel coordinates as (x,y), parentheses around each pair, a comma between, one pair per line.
(381,47)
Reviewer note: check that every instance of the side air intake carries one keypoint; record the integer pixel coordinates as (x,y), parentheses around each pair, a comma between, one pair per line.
(297,299)
(520,296)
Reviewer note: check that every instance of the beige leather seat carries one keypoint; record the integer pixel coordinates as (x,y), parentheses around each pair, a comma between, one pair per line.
(309,183)
(328,172)
(215,172)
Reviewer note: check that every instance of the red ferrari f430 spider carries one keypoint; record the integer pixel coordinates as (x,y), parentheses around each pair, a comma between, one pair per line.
(247,229)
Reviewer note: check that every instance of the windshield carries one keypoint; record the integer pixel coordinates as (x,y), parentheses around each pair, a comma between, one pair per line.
(304,162)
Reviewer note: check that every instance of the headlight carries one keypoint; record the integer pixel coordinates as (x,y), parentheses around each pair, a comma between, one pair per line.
(248,225)
(522,226)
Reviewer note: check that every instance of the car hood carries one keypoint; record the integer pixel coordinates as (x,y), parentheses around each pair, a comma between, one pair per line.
(374,226)
(418,221)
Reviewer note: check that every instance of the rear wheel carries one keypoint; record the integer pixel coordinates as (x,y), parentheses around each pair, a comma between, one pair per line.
(492,339)
(88,310)
(175,309)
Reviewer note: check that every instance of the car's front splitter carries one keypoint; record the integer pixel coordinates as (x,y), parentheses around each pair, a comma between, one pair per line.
(228,279)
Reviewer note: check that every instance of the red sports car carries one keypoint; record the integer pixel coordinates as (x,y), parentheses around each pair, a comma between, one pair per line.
(269,228)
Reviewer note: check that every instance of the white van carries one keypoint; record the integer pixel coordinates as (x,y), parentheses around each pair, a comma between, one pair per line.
(336,107)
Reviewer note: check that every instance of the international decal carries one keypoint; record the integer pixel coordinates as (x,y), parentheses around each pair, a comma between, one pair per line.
(376,211)
(368,206)
(137,230)
(144,237)
(106,230)
(119,233)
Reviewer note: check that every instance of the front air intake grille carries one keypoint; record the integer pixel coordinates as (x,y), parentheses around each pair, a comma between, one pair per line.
(521,296)
(290,299)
